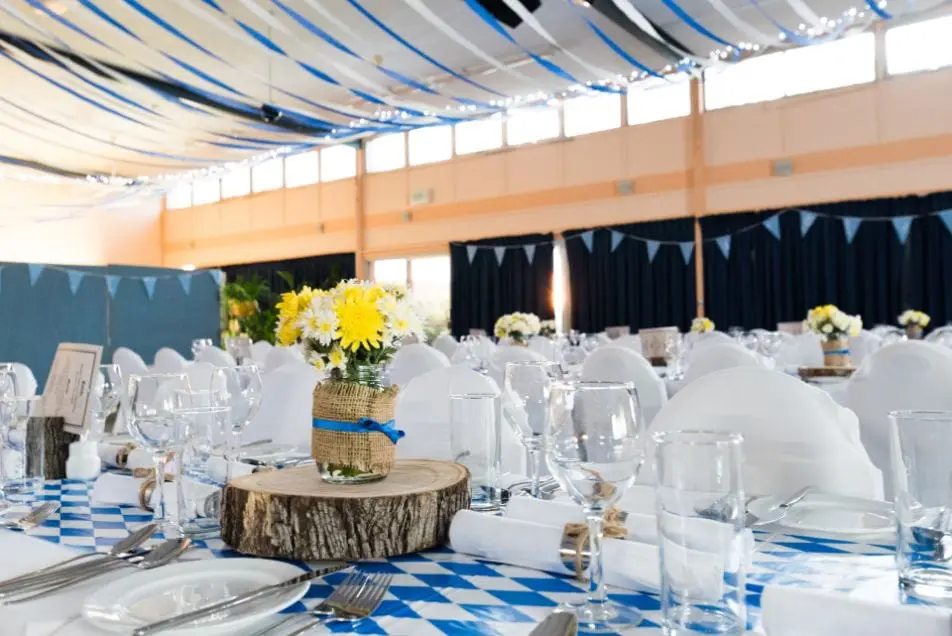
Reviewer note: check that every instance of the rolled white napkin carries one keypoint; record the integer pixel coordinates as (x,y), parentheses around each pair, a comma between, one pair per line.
(113,489)
(137,457)
(790,611)
(628,564)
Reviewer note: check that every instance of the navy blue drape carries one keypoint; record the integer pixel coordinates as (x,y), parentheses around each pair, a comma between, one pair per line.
(622,287)
(765,280)
(483,290)
(316,271)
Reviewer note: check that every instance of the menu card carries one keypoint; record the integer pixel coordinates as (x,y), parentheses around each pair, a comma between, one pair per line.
(68,391)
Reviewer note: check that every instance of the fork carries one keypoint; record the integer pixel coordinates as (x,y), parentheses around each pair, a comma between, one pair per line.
(357,597)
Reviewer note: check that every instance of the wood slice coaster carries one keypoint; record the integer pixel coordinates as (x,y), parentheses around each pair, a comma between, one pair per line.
(293,514)
(812,373)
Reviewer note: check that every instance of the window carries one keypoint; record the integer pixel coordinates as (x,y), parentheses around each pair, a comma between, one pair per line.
(584,115)
(206,191)
(236,183)
(391,270)
(922,46)
(301,169)
(429,145)
(430,286)
(529,125)
(179,197)
(338,162)
(758,79)
(386,152)
(268,175)
(479,135)
(659,99)
(821,67)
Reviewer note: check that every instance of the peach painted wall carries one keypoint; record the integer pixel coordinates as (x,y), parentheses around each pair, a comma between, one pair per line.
(889,138)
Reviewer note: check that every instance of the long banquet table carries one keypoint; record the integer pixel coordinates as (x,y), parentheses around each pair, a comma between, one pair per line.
(444,592)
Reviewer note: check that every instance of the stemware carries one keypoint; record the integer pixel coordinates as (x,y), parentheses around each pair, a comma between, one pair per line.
(770,343)
(152,402)
(200,343)
(526,409)
(466,355)
(106,394)
(238,388)
(8,380)
(595,448)
(22,461)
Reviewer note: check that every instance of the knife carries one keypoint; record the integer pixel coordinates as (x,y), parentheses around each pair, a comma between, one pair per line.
(253,595)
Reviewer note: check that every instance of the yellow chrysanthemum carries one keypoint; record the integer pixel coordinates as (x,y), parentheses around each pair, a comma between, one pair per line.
(337,359)
(288,333)
(360,323)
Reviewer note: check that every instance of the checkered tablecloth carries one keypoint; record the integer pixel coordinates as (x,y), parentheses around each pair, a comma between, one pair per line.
(443,592)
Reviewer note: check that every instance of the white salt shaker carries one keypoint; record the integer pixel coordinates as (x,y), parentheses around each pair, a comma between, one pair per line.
(83,462)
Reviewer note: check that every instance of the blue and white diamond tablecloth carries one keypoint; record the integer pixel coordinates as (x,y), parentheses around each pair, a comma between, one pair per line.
(442,592)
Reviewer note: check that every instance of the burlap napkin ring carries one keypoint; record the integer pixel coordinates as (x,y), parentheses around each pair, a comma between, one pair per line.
(147,487)
(122,455)
(574,549)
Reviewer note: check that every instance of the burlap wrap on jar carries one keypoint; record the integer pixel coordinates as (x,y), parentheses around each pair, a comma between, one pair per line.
(368,445)
(836,353)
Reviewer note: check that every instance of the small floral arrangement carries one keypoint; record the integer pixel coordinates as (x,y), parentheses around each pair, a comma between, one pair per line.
(913,318)
(352,326)
(547,328)
(831,323)
(518,327)
(702,325)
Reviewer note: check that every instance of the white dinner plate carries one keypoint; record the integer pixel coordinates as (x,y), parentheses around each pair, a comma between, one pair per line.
(147,597)
(826,380)
(830,515)
(269,450)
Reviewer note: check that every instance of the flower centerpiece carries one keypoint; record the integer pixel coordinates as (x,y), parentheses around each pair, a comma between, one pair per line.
(350,331)
(547,329)
(702,325)
(517,327)
(914,322)
(834,327)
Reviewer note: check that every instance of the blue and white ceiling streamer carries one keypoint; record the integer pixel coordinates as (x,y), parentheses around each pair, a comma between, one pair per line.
(75,278)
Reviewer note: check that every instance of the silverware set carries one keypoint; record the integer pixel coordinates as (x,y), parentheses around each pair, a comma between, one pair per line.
(557,624)
(33,518)
(723,510)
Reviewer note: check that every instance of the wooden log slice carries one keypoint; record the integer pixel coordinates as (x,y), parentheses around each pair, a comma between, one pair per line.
(293,514)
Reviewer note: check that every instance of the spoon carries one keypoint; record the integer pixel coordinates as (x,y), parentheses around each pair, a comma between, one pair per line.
(158,556)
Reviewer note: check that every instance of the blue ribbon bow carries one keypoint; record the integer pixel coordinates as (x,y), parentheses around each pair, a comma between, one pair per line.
(363,425)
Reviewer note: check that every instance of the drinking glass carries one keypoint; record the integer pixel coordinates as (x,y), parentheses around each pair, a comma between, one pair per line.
(770,343)
(474,443)
(595,448)
(8,380)
(673,353)
(922,485)
(525,407)
(23,458)
(200,343)
(152,402)
(106,394)
(238,388)
(207,428)
(465,354)
(701,536)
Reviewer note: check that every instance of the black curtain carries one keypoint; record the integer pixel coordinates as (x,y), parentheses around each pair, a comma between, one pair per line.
(622,287)
(765,280)
(484,289)
(316,271)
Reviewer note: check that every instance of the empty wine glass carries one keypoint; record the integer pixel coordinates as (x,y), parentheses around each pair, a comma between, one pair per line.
(595,448)
(465,354)
(525,407)
(106,394)
(152,403)
(200,343)
(770,343)
(238,388)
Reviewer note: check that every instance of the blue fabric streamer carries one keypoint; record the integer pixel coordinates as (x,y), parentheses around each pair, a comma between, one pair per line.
(882,13)
(363,425)
(41,7)
(616,48)
(694,24)
(89,4)
(155,19)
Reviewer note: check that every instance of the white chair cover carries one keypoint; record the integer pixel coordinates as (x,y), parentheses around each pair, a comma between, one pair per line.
(794,434)
(544,347)
(216,357)
(802,350)
(423,412)
(260,351)
(130,362)
(631,341)
(26,382)
(906,375)
(412,360)
(286,401)
(200,376)
(446,344)
(719,356)
(169,361)
(280,356)
(504,354)
(863,345)
(620,364)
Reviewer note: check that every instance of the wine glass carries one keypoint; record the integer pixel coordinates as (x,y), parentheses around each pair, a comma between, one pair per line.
(526,409)
(8,389)
(595,448)
(770,343)
(152,402)
(200,343)
(465,354)
(106,394)
(238,388)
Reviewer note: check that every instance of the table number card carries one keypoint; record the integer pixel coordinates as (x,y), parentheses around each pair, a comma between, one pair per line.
(68,392)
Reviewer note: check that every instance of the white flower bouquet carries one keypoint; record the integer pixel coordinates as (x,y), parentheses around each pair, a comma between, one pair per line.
(517,327)
(547,328)
(831,323)
(913,318)
(702,325)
